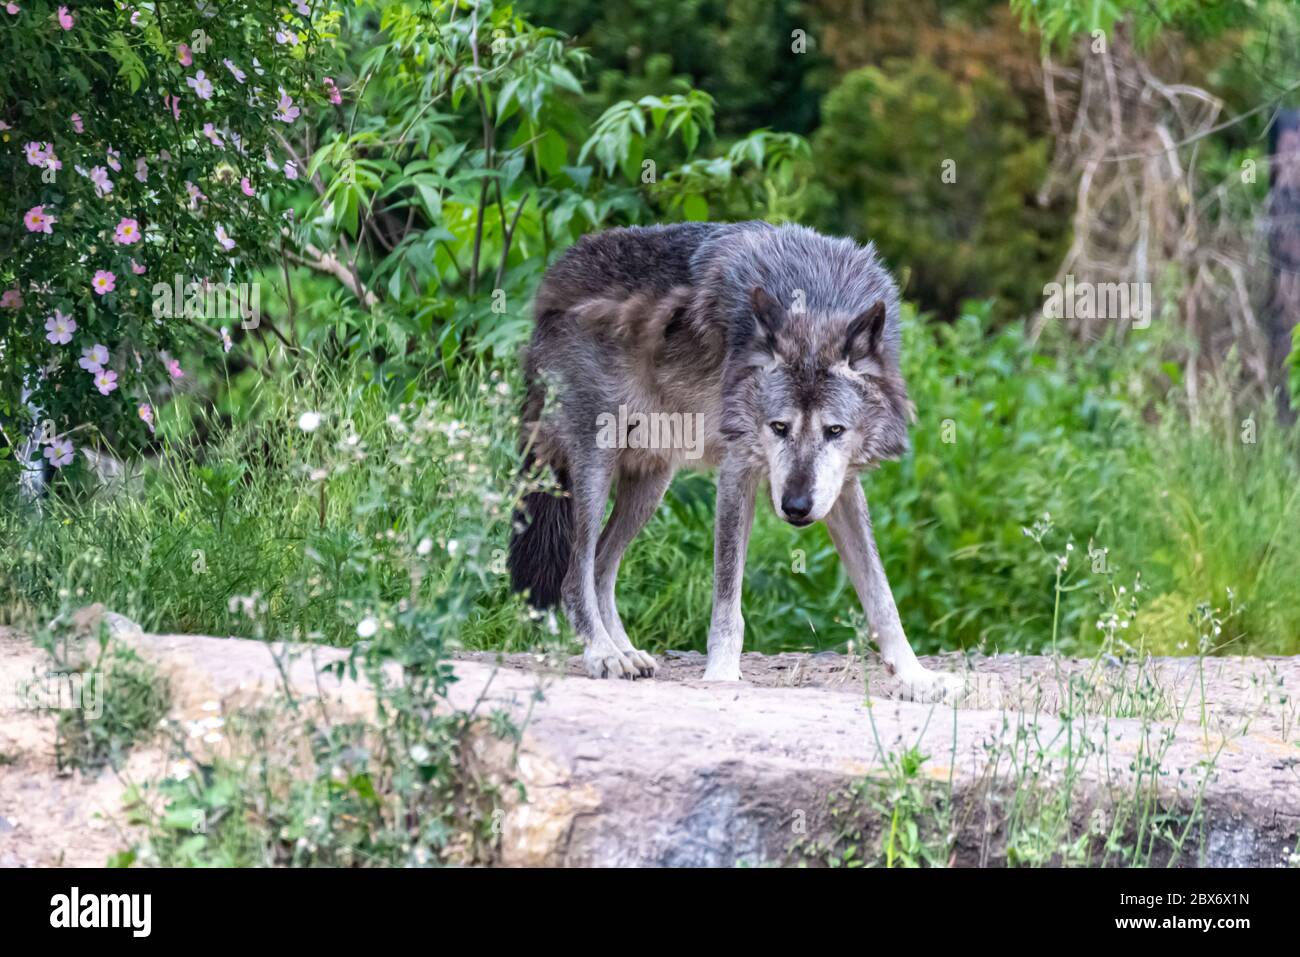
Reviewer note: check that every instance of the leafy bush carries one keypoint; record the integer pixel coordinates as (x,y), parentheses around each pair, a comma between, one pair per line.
(740,52)
(140,146)
(942,177)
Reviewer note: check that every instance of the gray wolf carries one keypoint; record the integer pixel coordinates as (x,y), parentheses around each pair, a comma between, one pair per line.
(776,348)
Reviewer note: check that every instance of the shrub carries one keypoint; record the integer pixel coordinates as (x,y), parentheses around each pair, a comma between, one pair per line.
(942,177)
(140,144)
(133,700)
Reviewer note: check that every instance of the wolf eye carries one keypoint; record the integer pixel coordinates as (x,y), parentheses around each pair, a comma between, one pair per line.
(834,431)
(780,428)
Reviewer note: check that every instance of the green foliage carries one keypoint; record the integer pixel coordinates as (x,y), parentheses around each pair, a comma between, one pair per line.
(1060,21)
(1211,530)
(382,534)
(126,136)
(266,530)
(740,52)
(908,811)
(917,818)
(470,158)
(765,171)
(129,699)
(353,796)
(618,137)
(942,177)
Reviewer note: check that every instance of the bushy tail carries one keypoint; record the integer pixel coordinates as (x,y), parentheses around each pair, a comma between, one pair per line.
(539,548)
(543,531)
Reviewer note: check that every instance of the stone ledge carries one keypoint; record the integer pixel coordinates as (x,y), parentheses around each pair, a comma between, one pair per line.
(677,771)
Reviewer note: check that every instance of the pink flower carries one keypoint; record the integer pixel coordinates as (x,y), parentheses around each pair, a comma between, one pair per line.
(286,36)
(137,268)
(235,71)
(246,187)
(142,170)
(99,176)
(59,328)
(196,194)
(145,411)
(213,136)
(113,159)
(224,238)
(39,221)
(173,367)
(11,299)
(290,170)
(59,451)
(93,359)
(183,53)
(11,9)
(335,97)
(127,232)
(65,18)
(103,283)
(287,112)
(77,125)
(36,154)
(105,381)
(200,84)
(226,342)
(172,103)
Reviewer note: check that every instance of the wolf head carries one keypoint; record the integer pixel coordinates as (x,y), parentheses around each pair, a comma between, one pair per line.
(826,401)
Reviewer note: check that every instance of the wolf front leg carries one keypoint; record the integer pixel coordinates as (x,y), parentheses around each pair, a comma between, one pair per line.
(589,478)
(850,526)
(737,486)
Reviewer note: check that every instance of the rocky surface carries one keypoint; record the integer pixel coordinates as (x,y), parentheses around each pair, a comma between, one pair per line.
(677,771)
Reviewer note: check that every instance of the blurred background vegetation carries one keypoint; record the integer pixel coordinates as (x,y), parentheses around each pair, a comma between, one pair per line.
(1070,487)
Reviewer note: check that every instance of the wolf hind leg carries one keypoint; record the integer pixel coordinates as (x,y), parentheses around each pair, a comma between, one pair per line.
(635,501)
(590,475)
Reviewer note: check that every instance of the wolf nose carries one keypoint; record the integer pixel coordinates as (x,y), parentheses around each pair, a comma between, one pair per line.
(796,506)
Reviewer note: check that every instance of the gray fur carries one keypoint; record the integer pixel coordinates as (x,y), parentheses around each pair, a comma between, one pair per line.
(781,343)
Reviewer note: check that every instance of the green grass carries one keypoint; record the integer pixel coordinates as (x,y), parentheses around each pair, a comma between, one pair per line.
(248,525)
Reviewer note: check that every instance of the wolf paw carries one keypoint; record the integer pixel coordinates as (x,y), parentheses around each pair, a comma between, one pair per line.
(644,664)
(605,661)
(932,687)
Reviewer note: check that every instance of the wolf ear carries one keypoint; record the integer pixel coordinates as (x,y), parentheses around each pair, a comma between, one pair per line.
(768,314)
(864,336)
